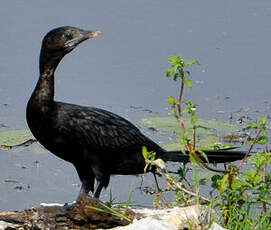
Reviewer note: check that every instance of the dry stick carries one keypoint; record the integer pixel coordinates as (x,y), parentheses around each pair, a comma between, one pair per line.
(178,184)
(249,151)
(206,166)
(189,184)
(195,155)
(179,103)
(159,192)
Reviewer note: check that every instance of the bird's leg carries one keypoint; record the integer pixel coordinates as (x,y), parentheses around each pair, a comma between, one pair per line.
(102,182)
(98,189)
(76,210)
(87,178)
(85,188)
(159,191)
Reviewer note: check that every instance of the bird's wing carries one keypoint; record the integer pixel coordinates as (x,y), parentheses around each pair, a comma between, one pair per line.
(102,130)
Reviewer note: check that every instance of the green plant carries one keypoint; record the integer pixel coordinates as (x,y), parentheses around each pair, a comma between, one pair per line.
(108,210)
(241,191)
(242,196)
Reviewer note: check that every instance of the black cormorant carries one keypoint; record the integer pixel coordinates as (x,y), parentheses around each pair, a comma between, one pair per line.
(97,142)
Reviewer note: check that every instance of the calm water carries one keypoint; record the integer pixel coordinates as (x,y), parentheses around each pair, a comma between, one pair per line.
(126,67)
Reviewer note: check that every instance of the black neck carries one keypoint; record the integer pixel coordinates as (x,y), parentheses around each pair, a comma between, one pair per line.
(49,60)
(43,94)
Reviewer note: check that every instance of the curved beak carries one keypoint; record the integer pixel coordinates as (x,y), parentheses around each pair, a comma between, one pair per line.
(84,35)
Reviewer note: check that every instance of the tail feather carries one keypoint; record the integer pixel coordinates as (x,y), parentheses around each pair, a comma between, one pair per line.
(214,156)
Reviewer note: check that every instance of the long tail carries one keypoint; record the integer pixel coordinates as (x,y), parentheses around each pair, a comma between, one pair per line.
(214,156)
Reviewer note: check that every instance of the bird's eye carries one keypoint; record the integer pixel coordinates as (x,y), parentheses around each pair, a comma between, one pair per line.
(68,36)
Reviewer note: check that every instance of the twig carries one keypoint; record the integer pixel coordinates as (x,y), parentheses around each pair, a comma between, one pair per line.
(251,146)
(178,184)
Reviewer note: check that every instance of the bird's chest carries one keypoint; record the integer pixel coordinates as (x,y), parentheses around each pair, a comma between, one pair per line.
(42,125)
(55,142)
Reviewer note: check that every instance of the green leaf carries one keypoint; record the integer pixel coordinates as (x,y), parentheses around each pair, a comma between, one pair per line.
(172,70)
(194,161)
(257,159)
(145,153)
(172,59)
(185,111)
(184,139)
(179,60)
(188,82)
(250,174)
(215,180)
(148,155)
(223,183)
(176,76)
(253,125)
(191,62)
(248,143)
(262,140)
(171,100)
(203,155)
(262,121)
(237,184)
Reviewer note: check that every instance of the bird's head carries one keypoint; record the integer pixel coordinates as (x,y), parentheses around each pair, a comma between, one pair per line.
(60,41)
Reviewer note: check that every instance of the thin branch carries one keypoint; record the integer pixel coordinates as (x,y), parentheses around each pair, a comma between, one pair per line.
(190,148)
(179,184)
(251,147)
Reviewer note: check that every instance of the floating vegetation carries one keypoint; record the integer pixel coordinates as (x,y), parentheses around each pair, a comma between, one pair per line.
(205,127)
(19,139)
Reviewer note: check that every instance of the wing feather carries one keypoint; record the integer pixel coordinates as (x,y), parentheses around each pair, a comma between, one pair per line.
(100,129)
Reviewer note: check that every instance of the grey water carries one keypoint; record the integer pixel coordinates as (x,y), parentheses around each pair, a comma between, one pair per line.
(124,71)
